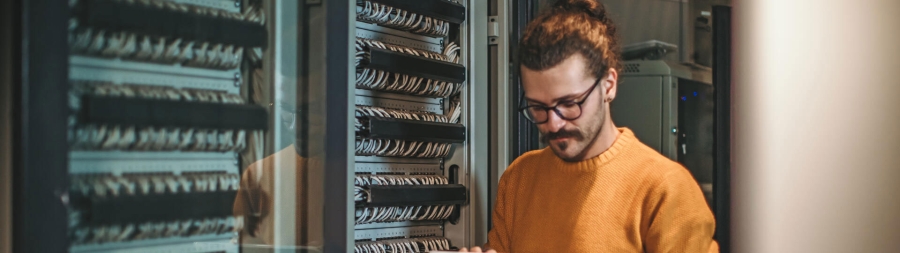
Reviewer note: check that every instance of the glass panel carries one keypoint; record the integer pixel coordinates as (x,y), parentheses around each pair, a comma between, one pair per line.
(194,127)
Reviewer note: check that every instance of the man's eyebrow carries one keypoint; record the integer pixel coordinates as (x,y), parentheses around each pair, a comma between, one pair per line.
(556,100)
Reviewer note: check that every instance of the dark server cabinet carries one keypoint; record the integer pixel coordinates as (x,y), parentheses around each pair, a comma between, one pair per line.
(696,107)
(671,112)
(246,125)
(683,111)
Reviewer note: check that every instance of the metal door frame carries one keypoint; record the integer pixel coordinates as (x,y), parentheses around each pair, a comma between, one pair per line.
(722,130)
(339,73)
(40,115)
(9,30)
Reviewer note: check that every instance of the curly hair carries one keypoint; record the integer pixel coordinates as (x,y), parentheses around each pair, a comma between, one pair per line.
(569,27)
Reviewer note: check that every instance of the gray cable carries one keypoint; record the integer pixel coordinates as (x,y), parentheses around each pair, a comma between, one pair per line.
(89,136)
(394,82)
(384,15)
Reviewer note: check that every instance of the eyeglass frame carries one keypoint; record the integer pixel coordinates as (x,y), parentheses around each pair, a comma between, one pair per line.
(586,95)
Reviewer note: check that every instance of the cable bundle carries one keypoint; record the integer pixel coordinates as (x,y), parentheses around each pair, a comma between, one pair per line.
(400,19)
(398,148)
(387,81)
(449,54)
(398,213)
(369,111)
(151,92)
(108,186)
(360,194)
(133,46)
(115,137)
(405,245)
(152,230)
(455,111)
(148,184)
(401,148)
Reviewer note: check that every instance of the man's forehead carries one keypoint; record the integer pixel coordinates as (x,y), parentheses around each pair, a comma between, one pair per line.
(556,83)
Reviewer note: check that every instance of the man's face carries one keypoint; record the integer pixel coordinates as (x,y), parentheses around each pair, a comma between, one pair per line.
(567,84)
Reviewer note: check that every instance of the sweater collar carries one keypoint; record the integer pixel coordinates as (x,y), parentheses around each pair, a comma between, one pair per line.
(623,141)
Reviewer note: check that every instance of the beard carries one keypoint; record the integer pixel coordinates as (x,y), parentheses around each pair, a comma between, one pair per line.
(580,140)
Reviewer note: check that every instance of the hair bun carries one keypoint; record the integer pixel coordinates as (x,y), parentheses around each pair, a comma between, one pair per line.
(592,7)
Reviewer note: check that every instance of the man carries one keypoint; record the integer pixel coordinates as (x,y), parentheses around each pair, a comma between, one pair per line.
(596,188)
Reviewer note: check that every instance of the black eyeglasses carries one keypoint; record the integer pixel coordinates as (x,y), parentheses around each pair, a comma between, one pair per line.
(567,110)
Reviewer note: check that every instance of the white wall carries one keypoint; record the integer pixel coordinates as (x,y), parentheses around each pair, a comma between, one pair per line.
(816,126)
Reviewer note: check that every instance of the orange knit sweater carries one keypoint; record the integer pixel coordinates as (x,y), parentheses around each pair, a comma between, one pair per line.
(628,199)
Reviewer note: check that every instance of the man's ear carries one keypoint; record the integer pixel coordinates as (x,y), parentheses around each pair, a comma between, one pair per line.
(611,83)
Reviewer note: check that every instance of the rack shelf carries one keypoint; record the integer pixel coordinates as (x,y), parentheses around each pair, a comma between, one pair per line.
(415,195)
(440,9)
(395,62)
(175,162)
(98,69)
(116,15)
(404,168)
(397,232)
(397,160)
(396,224)
(155,207)
(413,130)
(143,112)
(398,101)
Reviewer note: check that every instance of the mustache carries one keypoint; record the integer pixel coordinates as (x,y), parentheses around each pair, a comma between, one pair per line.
(562,133)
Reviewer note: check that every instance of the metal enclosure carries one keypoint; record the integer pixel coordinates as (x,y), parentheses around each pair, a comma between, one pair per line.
(670,111)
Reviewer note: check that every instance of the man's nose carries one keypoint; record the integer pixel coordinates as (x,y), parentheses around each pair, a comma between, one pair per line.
(554,122)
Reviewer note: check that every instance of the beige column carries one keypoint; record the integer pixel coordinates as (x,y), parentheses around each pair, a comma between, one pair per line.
(816,126)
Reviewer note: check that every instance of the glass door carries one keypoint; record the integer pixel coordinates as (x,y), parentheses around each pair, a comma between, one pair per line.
(185,126)
(245,125)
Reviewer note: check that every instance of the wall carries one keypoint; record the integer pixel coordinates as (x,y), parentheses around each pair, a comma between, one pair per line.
(671,21)
(642,20)
(816,136)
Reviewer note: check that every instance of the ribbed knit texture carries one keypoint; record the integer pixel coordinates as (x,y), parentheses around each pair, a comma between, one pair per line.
(628,199)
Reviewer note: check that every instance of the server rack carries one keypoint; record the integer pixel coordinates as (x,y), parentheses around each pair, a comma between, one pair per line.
(683,111)
(670,109)
(141,121)
(386,46)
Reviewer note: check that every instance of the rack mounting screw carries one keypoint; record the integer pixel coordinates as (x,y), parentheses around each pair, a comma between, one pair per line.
(237,3)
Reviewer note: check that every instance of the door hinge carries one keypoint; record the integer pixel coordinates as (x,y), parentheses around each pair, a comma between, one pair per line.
(493,30)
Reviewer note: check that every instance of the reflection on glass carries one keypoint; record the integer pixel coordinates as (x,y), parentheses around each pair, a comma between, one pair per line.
(280,199)
(187,138)
(255,201)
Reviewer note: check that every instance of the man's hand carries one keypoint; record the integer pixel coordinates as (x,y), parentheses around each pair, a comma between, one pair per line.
(477,249)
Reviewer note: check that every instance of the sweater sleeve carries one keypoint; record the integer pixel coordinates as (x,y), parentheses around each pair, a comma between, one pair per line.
(498,237)
(679,218)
